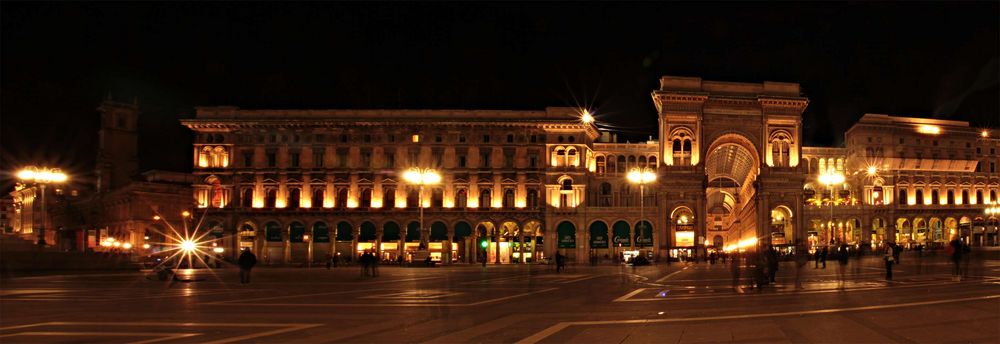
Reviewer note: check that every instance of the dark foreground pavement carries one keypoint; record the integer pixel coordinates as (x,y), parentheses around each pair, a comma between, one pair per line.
(501,304)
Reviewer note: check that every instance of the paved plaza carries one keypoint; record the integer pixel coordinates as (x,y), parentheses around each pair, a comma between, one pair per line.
(680,303)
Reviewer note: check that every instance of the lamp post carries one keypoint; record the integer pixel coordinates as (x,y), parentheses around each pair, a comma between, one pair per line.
(422,177)
(42,176)
(641,176)
(831,179)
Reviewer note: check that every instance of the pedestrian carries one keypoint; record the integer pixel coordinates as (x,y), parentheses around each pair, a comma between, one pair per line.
(842,256)
(364,264)
(816,255)
(329,261)
(374,261)
(772,263)
(896,251)
(889,260)
(801,259)
(955,251)
(246,262)
(822,257)
(559,262)
(734,268)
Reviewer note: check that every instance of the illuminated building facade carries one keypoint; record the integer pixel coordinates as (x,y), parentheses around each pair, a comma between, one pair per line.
(518,186)
(908,180)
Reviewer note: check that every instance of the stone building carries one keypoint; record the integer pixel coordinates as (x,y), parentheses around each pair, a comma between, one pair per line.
(518,186)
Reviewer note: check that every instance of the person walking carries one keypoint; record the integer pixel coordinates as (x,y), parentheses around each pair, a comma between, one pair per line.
(955,251)
(889,260)
(374,261)
(816,255)
(329,261)
(734,268)
(246,262)
(559,262)
(364,264)
(772,263)
(842,256)
(822,257)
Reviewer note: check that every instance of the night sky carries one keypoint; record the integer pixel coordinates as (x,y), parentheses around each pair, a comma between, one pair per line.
(59,60)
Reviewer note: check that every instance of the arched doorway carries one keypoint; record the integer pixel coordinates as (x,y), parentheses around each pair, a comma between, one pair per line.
(248,238)
(920,234)
(504,243)
(643,234)
(367,236)
(599,247)
(437,241)
(904,233)
(935,230)
(320,241)
(567,239)
(344,244)
(782,233)
(297,241)
(411,243)
(463,238)
(878,231)
(683,227)
(531,235)
(731,166)
(390,241)
(485,232)
(275,249)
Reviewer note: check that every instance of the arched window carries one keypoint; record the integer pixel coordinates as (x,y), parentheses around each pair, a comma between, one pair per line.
(965,197)
(271,199)
(220,158)
(601,165)
(205,156)
(508,198)
(560,156)
(780,145)
(317,197)
(571,157)
(621,164)
(902,197)
(567,184)
(294,194)
(485,201)
(246,199)
(951,197)
(642,161)
(934,197)
(388,197)
(461,198)
(979,197)
(631,162)
(437,198)
(341,198)
(412,198)
(612,165)
(920,196)
(532,198)
(366,198)
(652,162)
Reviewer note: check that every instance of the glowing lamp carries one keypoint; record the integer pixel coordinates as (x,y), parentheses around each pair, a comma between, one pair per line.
(188,246)
(218,250)
(586,117)
(872,170)
(127,246)
(145,246)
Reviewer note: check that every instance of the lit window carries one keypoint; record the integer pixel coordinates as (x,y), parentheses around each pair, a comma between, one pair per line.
(416,138)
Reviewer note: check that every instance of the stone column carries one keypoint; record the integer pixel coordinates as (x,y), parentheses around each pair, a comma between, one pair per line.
(446,246)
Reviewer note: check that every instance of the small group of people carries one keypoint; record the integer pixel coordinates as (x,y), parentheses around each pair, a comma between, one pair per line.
(369,264)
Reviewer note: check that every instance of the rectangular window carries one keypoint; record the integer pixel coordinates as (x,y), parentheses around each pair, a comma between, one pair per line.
(320,137)
(390,159)
(342,157)
(533,160)
(295,159)
(247,159)
(272,160)
(461,161)
(993,167)
(392,138)
(900,141)
(416,138)
(461,138)
(979,150)
(366,159)
(534,138)
(318,157)
(510,138)
(437,138)
(486,138)
(508,160)
(484,160)
(367,138)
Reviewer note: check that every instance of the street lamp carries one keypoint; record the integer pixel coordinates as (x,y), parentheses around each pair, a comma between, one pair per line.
(421,177)
(641,176)
(831,179)
(42,176)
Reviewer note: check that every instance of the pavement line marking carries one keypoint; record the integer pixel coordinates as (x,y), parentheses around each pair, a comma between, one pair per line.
(264,334)
(160,335)
(511,297)
(579,279)
(293,296)
(535,338)
(790,293)
(664,278)
(396,304)
(629,295)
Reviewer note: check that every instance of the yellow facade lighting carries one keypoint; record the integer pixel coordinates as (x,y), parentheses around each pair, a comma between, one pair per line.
(985,134)
(831,179)
(929,129)
(872,170)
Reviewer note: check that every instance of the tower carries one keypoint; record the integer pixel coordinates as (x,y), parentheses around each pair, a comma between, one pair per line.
(117,145)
